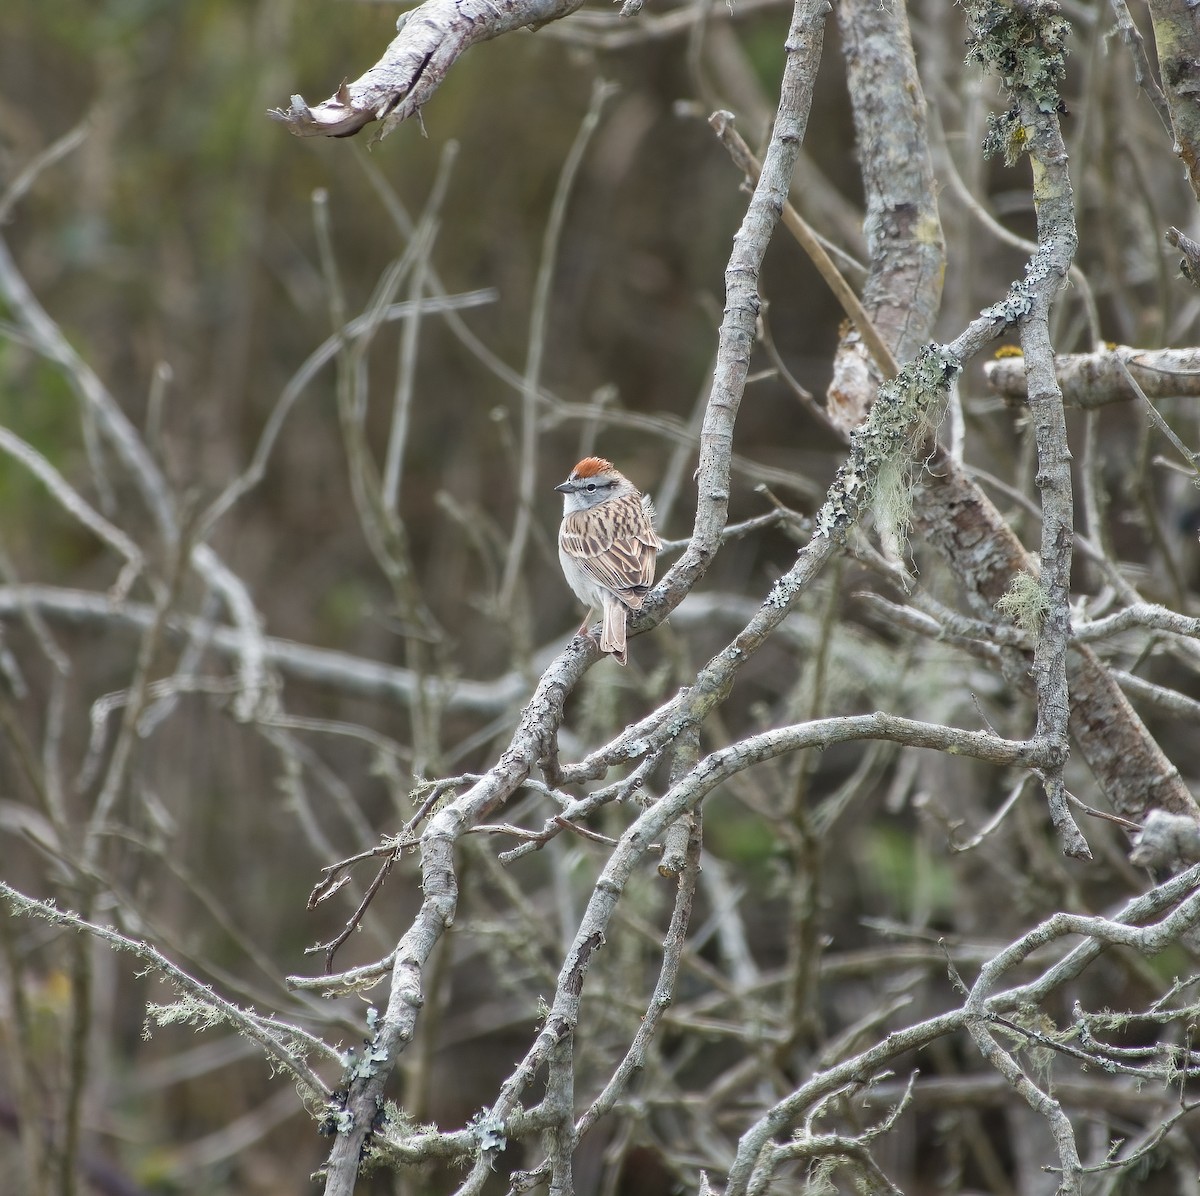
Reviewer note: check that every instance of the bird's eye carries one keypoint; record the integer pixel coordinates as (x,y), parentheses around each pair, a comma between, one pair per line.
(591,485)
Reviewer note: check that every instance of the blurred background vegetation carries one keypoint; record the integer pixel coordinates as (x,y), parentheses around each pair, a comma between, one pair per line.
(176,249)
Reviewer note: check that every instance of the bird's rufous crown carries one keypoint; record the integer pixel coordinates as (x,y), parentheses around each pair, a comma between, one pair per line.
(589,467)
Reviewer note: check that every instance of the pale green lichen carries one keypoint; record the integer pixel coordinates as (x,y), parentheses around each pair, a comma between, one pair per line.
(893,505)
(1026,603)
(908,421)
(884,450)
(820,1178)
(188,1010)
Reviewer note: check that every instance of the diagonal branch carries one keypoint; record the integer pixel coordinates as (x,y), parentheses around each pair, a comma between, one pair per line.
(283,1044)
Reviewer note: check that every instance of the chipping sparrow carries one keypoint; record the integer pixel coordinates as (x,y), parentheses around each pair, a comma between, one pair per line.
(607,545)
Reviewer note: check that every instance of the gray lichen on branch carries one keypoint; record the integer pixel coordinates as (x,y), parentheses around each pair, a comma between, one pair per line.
(897,427)
(1025,44)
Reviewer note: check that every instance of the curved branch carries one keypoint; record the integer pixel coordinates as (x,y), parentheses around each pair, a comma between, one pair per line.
(428,41)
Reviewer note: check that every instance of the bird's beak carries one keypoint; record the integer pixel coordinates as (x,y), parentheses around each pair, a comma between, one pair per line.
(567,487)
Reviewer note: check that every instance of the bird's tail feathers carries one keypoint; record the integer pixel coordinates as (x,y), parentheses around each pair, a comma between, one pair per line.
(612,636)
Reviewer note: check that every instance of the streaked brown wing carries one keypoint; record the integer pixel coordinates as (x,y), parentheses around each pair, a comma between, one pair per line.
(616,544)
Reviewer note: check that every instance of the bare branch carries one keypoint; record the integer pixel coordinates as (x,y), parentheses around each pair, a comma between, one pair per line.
(1178,45)
(1090,380)
(428,41)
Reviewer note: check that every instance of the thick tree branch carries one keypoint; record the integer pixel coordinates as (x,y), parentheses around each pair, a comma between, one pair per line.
(1177,39)
(955,516)
(903,291)
(1166,841)
(1090,380)
(1057,240)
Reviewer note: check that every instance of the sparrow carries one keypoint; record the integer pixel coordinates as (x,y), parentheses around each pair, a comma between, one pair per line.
(607,547)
